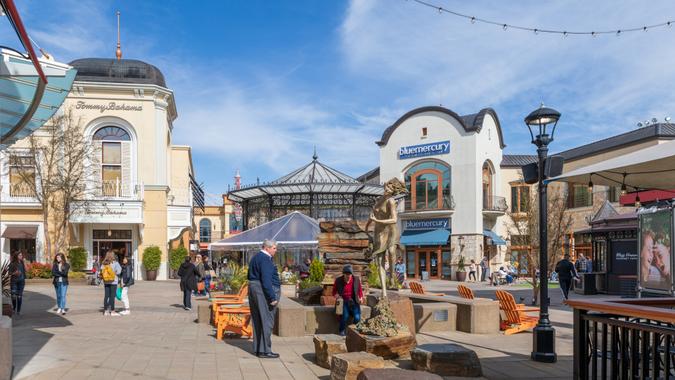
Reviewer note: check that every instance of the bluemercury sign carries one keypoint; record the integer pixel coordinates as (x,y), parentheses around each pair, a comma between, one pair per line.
(431,149)
(112,106)
(425,224)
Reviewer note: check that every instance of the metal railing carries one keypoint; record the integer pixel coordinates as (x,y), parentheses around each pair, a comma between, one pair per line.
(21,190)
(624,339)
(118,189)
(493,203)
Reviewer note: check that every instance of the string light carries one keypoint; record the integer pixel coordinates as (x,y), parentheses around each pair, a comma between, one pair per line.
(564,33)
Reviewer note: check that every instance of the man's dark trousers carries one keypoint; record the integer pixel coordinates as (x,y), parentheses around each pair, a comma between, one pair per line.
(565,285)
(262,315)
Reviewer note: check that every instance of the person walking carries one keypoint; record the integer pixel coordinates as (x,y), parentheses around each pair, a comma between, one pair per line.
(484,268)
(472,270)
(399,268)
(17,280)
(202,272)
(263,296)
(188,281)
(110,272)
(566,272)
(60,270)
(348,288)
(127,281)
(208,275)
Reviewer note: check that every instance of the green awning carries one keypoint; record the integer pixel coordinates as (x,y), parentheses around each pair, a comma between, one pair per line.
(425,237)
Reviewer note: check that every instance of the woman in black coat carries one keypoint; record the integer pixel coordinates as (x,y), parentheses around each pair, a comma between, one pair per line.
(60,270)
(188,281)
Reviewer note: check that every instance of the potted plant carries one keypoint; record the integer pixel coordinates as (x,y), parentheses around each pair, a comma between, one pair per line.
(152,258)
(461,269)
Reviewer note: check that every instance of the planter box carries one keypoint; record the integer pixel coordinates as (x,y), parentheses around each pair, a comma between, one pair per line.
(288,290)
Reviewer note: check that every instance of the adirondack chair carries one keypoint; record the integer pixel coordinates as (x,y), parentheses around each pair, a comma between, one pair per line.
(236,320)
(465,292)
(233,299)
(515,318)
(417,288)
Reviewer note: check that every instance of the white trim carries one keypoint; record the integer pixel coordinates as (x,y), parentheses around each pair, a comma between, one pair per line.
(39,238)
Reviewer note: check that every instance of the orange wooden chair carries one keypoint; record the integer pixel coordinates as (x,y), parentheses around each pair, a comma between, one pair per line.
(417,288)
(233,299)
(236,320)
(465,292)
(515,318)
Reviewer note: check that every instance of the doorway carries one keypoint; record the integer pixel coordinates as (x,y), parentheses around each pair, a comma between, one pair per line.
(121,249)
(424,260)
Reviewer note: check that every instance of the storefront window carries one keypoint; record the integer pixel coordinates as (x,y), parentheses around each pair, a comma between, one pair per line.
(599,255)
(579,196)
(428,186)
(447,262)
(410,263)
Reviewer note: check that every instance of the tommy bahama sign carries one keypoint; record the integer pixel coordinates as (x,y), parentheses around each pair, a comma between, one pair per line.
(431,149)
(111,106)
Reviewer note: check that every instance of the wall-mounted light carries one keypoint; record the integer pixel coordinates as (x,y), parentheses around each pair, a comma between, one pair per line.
(109,231)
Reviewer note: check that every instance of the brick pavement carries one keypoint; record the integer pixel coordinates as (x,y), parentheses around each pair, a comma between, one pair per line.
(159,340)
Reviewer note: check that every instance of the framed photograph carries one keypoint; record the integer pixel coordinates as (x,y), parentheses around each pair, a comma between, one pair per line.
(655,271)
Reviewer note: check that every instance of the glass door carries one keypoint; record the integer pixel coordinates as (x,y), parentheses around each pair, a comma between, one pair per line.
(422,262)
(410,264)
(433,264)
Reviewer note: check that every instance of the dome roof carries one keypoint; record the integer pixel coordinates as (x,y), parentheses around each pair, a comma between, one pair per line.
(114,71)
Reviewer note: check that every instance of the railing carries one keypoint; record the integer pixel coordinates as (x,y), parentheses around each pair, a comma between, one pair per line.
(492,203)
(624,339)
(118,189)
(21,190)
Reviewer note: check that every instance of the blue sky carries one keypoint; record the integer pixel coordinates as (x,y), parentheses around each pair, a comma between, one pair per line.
(259,83)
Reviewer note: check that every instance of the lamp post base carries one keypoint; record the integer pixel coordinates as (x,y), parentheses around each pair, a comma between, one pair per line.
(543,344)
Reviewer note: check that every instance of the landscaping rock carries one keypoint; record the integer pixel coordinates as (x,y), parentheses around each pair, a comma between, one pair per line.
(327,301)
(311,296)
(348,366)
(386,347)
(446,360)
(327,345)
(395,374)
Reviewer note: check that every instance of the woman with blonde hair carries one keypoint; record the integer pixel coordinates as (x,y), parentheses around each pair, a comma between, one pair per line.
(110,272)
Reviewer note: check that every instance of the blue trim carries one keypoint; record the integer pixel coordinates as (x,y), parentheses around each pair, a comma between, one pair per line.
(425,237)
(496,239)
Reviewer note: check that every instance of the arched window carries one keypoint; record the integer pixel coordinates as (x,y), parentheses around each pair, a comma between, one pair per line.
(205,231)
(428,185)
(488,182)
(115,160)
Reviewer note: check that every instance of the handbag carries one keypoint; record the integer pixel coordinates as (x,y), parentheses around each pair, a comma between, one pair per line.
(339,305)
(200,286)
(119,294)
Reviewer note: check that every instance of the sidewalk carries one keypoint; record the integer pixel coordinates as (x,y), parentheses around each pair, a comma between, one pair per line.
(160,340)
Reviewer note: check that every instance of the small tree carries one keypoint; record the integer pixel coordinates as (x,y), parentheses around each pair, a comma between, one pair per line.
(176,257)
(78,258)
(316,271)
(461,266)
(152,258)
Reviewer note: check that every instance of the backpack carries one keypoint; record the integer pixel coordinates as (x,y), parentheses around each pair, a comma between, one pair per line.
(108,273)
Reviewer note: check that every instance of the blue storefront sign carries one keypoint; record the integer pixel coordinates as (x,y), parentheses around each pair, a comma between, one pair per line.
(431,149)
(425,224)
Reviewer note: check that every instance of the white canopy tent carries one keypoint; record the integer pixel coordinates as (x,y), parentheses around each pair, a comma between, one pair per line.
(649,168)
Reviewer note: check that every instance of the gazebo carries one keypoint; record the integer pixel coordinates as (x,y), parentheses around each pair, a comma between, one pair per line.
(315,190)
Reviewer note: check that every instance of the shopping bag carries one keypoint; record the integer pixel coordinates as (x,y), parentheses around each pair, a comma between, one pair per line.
(200,286)
(119,293)
(339,304)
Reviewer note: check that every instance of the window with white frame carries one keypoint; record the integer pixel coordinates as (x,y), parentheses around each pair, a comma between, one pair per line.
(21,175)
(115,161)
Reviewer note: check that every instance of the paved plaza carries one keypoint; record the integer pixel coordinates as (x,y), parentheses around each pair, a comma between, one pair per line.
(159,340)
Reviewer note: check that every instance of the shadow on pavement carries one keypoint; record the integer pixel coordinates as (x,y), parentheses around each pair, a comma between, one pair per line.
(27,338)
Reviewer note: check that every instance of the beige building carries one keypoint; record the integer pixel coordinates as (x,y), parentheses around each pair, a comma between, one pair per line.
(213,223)
(140,186)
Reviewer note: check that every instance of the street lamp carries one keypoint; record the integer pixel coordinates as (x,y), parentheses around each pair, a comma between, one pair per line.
(543,337)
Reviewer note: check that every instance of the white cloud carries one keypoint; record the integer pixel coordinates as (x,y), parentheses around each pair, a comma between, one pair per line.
(606,82)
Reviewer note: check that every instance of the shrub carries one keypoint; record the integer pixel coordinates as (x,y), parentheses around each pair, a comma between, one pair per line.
(152,258)
(307,283)
(38,270)
(176,257)
(6,280)
(234,277)
(77,256)
(316,271)
(74,275)
(461,267)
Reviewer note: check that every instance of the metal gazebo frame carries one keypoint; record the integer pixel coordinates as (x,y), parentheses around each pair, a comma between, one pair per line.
(315,189)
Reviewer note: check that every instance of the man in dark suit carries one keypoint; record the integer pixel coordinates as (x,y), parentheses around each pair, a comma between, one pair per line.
(263,296)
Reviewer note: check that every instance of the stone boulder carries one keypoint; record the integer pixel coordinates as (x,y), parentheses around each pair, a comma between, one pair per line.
(446,360)
(387,347)
(348,366)
(327,345)
(395,374)
(311,296)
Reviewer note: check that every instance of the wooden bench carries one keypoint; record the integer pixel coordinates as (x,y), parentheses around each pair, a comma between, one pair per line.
(515,318)
(465,292)
(417,288)
(228,299)
(236,320)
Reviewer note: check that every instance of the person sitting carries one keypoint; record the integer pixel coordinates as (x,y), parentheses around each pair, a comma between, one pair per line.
(286,275)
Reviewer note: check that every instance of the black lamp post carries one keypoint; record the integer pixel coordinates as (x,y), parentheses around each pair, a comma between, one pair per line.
(543,345)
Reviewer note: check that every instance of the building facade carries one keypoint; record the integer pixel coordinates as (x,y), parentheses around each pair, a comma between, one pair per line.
(139,185)
(213,222)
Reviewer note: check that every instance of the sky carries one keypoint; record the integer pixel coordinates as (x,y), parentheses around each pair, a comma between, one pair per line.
(258,84)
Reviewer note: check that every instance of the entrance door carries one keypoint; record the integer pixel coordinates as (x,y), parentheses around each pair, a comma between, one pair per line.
(429,261)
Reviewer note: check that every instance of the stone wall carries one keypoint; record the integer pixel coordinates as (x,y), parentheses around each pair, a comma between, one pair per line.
(342,243)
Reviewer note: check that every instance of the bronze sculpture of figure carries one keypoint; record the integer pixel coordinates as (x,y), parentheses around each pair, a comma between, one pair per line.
(386,236)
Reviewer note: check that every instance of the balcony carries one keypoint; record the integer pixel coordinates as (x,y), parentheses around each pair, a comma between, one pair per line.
(19,194)
(494,205)
(419,213)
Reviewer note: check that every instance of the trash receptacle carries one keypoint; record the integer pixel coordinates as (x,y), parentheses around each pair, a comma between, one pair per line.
(586,285)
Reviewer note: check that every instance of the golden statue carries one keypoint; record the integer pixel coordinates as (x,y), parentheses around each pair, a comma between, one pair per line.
(386,236)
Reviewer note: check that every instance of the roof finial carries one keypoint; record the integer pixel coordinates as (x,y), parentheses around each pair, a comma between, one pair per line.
(118,52)
(315,156)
